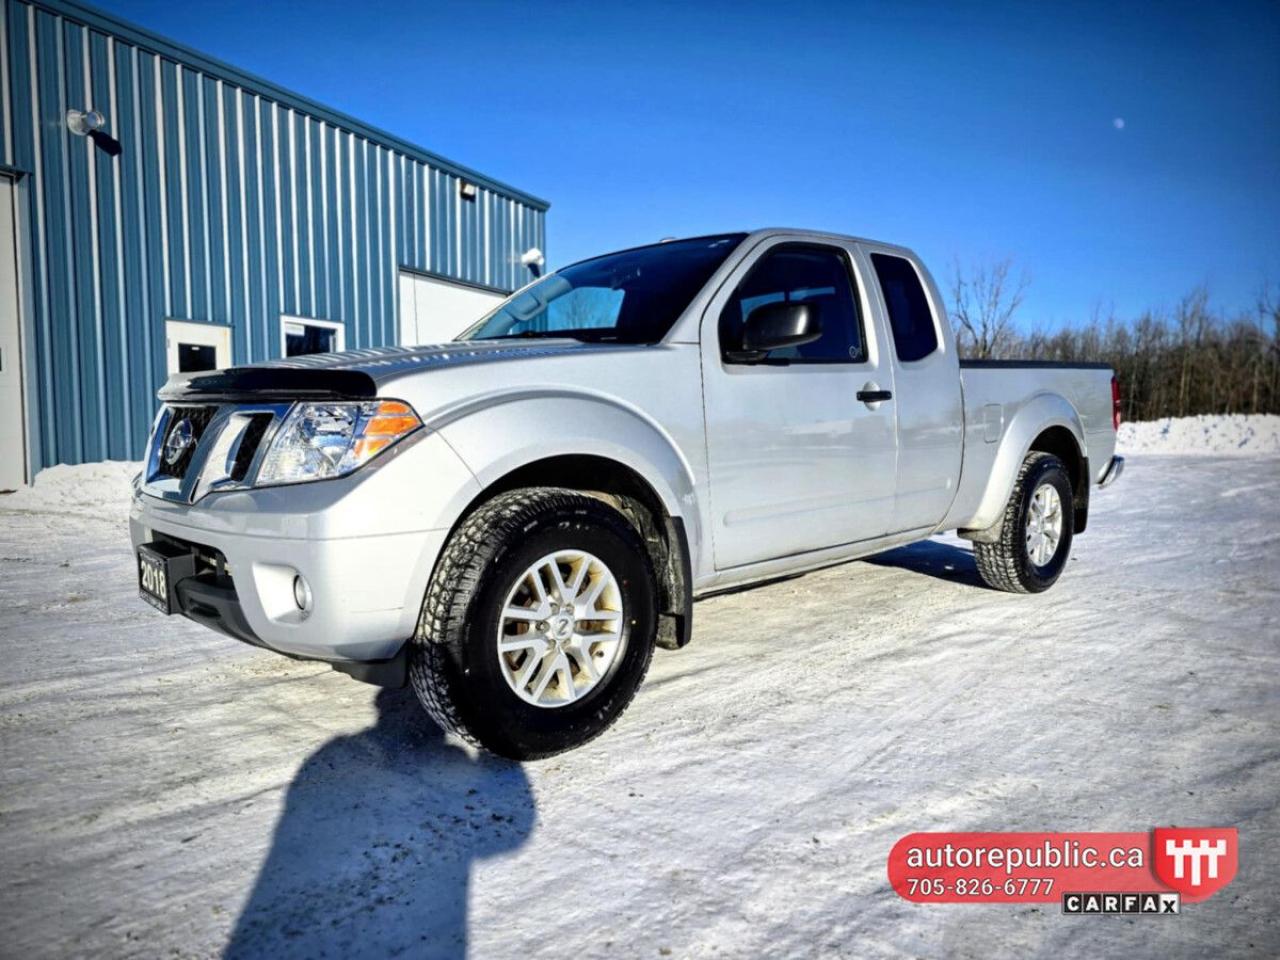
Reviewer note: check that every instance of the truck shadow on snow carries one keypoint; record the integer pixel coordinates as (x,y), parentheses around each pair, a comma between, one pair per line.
(933,558)
(373,853)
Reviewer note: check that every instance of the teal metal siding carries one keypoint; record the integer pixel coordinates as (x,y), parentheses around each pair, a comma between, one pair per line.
(232,202)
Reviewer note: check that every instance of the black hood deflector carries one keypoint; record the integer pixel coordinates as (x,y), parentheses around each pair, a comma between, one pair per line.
(261,383)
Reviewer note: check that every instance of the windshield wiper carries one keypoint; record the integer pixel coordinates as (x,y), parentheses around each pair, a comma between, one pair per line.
(596,336)
(522,335)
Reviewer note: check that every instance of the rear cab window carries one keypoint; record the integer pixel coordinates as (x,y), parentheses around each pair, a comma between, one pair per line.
(915,333)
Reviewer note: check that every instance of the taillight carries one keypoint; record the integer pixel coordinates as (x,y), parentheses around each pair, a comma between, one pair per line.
(1115,403)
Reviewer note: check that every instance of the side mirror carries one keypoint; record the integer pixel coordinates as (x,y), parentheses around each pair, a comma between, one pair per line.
(772,326)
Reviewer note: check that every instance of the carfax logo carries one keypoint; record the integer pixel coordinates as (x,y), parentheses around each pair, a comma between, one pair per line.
(1165,904)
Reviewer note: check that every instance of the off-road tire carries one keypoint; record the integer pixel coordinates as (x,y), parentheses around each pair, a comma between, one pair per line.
(454,664)
(1004,564)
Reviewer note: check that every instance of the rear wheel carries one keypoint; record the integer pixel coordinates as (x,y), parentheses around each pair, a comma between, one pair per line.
(1035,536)
(538,625)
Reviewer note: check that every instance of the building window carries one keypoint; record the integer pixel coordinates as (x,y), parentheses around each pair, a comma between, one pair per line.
(196,356)
(303,335)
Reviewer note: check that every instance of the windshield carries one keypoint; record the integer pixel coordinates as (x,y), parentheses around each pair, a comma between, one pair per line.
(630,297)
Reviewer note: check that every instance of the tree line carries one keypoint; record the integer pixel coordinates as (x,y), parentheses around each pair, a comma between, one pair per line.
(1194,359)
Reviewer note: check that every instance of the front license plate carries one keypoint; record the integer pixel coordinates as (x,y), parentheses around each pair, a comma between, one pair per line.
(162,565)
(153,579)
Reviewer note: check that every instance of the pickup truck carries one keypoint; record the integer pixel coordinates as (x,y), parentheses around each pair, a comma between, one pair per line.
(513,520)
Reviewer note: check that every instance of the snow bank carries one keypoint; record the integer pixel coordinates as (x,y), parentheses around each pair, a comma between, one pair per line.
(1253,434)
(93,489)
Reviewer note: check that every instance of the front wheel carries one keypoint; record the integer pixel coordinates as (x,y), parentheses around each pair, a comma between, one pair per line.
(1035,536)
(539,624)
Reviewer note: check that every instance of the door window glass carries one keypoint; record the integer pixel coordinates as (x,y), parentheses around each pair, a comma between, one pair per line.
(193,357)
(818,276)
(914,333)
(302,337)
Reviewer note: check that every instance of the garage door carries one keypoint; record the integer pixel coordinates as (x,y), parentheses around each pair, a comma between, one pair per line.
(434,310)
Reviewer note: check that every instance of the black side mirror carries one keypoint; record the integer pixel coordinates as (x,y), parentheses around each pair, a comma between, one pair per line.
(772,326)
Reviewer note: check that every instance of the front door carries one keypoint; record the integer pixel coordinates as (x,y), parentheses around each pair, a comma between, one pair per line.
(797,462)
(13,452)
(197,346)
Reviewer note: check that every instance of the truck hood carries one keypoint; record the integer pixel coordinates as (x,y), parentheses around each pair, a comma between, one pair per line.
(359,374)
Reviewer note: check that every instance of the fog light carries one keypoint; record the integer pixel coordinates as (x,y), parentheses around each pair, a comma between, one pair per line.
(301,593)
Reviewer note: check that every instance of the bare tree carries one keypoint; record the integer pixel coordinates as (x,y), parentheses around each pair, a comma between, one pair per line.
(1192,318)
(984,300)
(1193,359)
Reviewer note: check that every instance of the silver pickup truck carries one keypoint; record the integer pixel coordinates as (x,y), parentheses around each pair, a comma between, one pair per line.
(514,520)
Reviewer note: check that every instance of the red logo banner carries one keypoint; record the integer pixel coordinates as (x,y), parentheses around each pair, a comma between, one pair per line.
(1042,867)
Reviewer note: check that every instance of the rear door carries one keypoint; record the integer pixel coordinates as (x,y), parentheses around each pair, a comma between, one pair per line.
(927,394)
(796,461)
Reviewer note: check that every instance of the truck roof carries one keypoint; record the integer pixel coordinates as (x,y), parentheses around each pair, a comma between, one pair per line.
(760,233)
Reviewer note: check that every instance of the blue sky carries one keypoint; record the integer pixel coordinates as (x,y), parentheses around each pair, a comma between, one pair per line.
(1120,153)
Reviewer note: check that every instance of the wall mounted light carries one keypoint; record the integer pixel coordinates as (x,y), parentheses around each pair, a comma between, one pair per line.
(534,260)
(89,123)
(467,191)
(84,122)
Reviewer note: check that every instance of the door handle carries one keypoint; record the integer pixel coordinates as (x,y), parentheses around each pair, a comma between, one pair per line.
(874,396)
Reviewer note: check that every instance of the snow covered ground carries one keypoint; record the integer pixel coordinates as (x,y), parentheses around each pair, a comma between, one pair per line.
(167,791)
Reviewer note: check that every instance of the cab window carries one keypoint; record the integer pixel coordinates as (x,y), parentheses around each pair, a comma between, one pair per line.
(802,273)
(914,334)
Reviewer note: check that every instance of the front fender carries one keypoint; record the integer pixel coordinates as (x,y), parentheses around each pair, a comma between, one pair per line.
(499,432)
(1037,415)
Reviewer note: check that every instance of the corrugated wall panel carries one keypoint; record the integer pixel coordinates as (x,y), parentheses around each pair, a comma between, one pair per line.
(6,110)
(233,198)
(231,202)
(131,218)
(153,240)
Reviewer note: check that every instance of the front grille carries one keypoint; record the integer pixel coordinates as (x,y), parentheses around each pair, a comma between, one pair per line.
(250,440)
(211,447)
(196,420)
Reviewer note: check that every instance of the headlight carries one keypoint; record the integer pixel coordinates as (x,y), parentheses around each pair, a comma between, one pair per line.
(322,440)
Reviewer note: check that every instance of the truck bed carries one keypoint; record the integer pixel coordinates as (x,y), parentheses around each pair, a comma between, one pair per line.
(996,391)
(1011,383)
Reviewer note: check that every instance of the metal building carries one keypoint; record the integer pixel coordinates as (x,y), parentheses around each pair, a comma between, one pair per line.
(163,211)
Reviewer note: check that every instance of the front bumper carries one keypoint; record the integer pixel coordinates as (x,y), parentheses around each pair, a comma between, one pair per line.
(366,545)
(366,592)
(212,600)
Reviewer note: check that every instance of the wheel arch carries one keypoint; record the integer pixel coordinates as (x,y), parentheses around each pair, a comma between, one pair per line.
(1049,423)
(1060,442)
(638,499)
